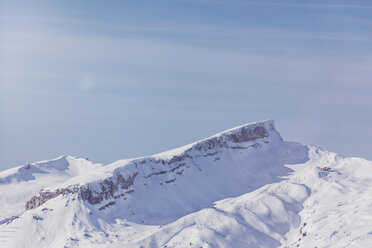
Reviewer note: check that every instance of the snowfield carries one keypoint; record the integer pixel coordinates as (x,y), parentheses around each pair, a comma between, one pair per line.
(244,187)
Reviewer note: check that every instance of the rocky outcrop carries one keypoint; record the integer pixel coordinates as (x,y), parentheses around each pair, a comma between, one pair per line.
(232,138)
(94,195)
(107,188)
(45,196)
(246,134)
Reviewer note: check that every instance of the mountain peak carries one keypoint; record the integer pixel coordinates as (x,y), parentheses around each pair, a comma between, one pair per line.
(241,137)
(249,131)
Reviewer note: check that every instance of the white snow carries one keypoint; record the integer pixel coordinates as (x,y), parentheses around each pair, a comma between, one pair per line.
(19,184)
(264,192)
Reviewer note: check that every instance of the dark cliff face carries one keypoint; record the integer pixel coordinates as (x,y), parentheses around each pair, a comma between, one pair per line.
(45,196)
(115,186)
(107,190)
(233,138)
(246,134)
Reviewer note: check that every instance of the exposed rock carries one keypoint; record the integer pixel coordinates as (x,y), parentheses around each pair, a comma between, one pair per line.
(211,143)
(107,205)
(177,167)
(36,217)
(170,181)
(107,189)
(179,158)
(11,219)
(156,173)
(248,133)
(45,196)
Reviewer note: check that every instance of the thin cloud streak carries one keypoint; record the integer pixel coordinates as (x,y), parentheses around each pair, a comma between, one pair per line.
(288,4)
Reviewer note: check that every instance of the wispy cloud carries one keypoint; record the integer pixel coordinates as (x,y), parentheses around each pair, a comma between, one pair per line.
(289,4)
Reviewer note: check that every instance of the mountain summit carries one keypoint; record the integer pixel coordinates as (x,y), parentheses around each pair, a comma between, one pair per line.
(244,187)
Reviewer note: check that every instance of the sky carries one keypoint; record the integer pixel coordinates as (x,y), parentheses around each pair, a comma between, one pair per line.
(110,80)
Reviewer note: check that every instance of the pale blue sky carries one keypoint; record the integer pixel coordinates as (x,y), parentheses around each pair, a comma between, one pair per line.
(116,79)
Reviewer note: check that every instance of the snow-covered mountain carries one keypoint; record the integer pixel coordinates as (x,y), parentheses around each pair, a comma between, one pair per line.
(244,187)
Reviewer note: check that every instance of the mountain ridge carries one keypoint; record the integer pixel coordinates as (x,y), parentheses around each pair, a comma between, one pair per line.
(240,137)
(244,187)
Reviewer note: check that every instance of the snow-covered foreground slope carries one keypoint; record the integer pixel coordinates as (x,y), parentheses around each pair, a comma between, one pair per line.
(19,184)
(244,187)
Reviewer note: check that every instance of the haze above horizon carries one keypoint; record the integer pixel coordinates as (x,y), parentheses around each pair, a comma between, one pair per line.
(120,79)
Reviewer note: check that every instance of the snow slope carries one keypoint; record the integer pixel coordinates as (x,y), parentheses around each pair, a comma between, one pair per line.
(244,187)
(19,184)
